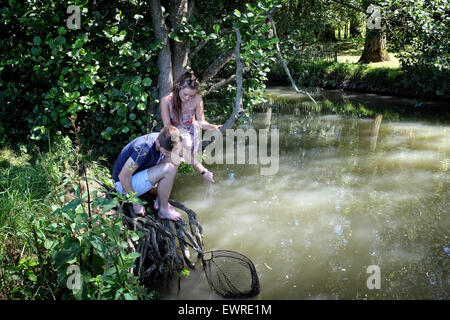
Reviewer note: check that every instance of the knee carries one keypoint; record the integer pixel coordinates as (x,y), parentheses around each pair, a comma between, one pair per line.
(170,168)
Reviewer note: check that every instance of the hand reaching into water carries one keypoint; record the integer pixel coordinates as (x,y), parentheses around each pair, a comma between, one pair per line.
(208,177)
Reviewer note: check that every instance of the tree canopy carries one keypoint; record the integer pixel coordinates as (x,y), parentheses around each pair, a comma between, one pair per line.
(111,70)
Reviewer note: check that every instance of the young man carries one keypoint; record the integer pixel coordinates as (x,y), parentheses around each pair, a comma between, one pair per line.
(146,161)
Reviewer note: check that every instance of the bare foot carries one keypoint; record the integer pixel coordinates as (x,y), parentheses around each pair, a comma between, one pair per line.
(169,214)
(156,205)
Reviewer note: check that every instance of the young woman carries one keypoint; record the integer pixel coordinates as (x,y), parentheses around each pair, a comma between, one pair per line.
(183,108)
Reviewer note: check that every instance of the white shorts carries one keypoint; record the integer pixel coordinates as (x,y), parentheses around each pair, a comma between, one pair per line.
(139,181)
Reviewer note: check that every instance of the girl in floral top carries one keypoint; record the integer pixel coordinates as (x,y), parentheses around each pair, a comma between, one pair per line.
(183,108)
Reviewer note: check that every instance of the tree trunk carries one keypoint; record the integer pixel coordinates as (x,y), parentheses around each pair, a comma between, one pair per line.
(165,78)
(329,33)
(375,47)
(354,32)
(180,50)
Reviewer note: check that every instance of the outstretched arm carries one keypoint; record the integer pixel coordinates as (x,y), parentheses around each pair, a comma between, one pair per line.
(199,114)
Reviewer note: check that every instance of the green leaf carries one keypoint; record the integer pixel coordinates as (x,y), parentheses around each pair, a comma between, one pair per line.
(62,31)
(134,236)
(37,41)
(69,253)
(98,245)
(216,28)
(129,296)
(114,30)
(274,40)
(147,82)
(31,276)
(137,80)
(110,271)
(185,273)
(136,88)
(48,244)
(105,203)
(36,51)
(237,13)
(134,255)
(72,205)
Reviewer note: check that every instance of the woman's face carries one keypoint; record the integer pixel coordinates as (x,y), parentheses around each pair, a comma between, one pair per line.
(187,94)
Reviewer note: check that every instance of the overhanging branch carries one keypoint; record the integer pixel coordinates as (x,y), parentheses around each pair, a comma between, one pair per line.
(222,83)
(286,69)
(237,109)
(218,64)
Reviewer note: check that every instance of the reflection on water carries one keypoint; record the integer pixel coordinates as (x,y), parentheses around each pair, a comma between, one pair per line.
(354,189)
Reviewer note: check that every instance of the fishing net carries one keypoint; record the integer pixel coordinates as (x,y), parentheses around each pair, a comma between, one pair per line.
(231,274)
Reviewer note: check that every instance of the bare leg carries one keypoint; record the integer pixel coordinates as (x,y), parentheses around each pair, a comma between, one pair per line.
(164,174)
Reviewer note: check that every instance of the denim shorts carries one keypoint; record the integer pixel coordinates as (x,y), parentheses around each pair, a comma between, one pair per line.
(139,182)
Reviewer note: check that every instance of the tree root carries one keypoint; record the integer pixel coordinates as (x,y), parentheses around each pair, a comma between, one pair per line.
(161,256)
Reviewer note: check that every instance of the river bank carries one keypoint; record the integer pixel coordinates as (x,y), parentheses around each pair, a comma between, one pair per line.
(360,78)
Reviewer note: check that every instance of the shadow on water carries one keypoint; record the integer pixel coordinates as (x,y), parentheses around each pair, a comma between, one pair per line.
(360,183)
(360,105)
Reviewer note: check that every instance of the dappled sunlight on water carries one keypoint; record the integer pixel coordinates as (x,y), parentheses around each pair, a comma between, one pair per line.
(345,197)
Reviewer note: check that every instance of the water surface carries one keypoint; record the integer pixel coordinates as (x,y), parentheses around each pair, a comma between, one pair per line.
(351,191)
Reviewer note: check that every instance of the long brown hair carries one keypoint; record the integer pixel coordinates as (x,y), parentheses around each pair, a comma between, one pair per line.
(186,80)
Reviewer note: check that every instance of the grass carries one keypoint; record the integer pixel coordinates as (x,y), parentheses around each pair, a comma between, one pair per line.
(383,77)
(27,201)
(350,50)
(23,192)
(48,221)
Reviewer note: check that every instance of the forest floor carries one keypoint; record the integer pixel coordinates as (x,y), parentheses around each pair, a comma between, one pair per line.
(350,50)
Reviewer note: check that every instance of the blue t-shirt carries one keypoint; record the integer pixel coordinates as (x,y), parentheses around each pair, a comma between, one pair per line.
(143,152)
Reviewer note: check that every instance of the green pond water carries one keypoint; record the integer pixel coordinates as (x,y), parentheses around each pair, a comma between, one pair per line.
(350,192)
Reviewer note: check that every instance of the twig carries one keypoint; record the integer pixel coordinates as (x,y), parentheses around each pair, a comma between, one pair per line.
(223,82)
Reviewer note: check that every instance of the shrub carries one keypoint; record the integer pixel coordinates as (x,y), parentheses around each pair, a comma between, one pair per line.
(101,73)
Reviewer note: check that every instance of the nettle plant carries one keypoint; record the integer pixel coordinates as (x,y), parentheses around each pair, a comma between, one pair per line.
(88,250)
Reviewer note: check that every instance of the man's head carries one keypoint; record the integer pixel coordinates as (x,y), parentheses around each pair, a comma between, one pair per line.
(169,141)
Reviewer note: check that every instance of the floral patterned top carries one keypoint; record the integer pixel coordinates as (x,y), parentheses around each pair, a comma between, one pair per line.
(187,121)
(188,115)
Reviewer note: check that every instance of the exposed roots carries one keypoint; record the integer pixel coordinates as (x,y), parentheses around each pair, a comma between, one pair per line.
(163,253)
(163,248)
